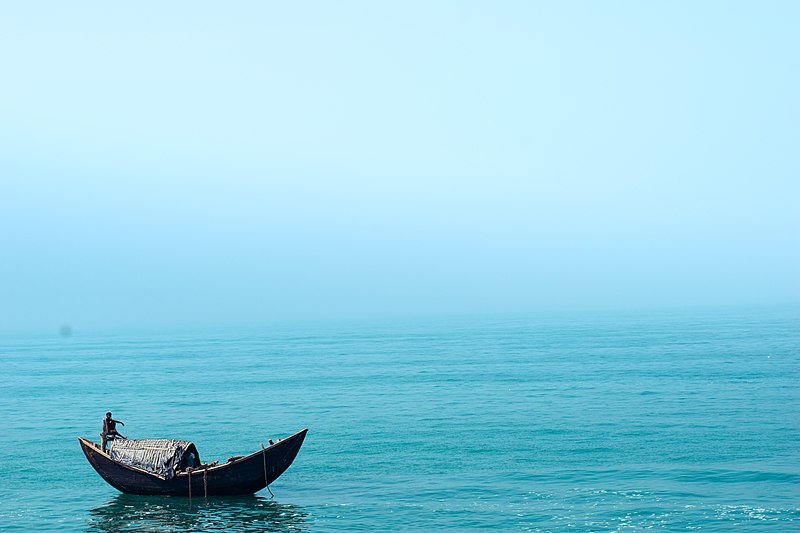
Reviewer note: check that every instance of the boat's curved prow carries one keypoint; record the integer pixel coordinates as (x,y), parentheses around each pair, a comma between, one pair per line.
(244,475)
(283,454)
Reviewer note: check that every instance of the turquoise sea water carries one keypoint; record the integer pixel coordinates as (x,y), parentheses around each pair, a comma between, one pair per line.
(663,421)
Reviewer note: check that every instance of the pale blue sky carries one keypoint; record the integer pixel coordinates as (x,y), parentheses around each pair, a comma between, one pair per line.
(243,162)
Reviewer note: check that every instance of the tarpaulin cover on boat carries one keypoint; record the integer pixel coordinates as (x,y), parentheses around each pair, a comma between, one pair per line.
(160,457)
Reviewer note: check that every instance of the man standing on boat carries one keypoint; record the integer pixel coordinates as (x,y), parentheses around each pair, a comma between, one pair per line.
(110,429)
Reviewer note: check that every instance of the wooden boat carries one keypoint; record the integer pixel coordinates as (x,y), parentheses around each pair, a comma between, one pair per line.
(240,475)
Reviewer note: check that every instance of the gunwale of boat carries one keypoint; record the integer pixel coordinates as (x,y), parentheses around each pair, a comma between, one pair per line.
(97,449)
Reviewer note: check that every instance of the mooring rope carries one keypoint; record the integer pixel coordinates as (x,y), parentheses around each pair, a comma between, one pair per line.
(205,483)
(264,455)
(190,484)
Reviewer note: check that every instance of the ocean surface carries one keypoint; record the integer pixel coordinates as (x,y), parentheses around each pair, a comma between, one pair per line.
(670,421)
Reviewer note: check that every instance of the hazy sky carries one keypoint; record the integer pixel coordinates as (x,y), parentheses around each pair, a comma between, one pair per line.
(243,162)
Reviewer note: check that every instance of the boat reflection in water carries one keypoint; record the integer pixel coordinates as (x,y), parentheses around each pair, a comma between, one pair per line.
(125,513)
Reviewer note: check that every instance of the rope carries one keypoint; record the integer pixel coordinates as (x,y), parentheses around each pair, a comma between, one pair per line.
(190,484)
(264,455)
(205,483)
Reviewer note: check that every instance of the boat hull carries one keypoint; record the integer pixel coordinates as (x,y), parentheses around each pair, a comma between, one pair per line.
(246,475)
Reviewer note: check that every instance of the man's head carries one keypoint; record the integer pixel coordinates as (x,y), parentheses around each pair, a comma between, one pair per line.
(108,414)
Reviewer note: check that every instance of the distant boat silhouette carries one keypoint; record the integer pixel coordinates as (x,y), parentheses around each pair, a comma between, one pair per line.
(154,468)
